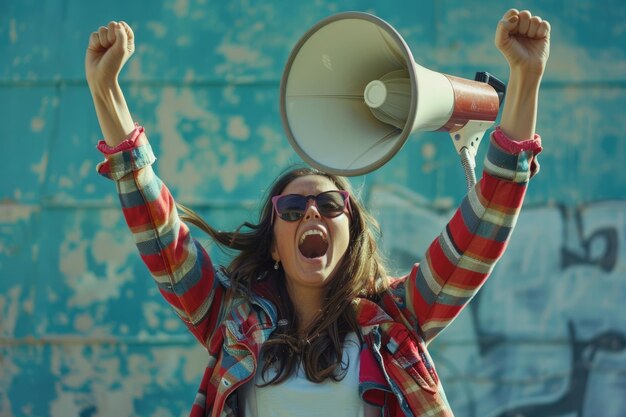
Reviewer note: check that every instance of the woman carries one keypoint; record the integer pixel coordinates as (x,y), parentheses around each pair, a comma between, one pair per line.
(304,321)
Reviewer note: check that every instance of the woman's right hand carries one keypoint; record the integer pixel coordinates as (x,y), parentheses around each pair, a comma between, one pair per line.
(109,49)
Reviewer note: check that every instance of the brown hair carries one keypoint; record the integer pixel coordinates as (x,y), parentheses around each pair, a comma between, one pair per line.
(360,273)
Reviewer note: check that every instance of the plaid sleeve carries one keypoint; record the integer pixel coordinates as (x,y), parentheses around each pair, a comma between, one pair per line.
(180,266)
(461,258)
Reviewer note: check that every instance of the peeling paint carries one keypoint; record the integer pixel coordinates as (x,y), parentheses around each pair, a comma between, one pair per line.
(12,213)
(237,128)
(12,31)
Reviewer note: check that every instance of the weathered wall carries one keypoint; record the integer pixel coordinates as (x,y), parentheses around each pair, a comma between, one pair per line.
(83,330)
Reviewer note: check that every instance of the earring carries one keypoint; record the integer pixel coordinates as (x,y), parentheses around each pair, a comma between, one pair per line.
(277,265)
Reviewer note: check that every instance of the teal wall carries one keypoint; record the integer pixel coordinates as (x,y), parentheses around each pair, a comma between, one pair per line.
(83,332)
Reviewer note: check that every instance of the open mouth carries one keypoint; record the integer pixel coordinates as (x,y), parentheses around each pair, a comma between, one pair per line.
(313,244)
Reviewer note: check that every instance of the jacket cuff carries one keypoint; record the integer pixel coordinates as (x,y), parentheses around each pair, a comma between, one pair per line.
(513,146)
(127,144)
(512,160)
(129,156)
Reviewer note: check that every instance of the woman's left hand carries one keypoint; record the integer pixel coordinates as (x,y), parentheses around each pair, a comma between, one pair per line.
(524,40)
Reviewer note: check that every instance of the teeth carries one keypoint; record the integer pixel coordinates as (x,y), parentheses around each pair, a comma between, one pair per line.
(311,232)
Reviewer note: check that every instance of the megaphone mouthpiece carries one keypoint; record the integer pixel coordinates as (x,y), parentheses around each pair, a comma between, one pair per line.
(389,98)
(375,94)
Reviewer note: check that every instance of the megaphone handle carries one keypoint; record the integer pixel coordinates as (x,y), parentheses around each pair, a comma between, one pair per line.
(466,141)
(468,162)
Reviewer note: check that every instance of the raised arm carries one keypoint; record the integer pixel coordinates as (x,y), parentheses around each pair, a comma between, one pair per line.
(524,40)
(180,266)
(109,49)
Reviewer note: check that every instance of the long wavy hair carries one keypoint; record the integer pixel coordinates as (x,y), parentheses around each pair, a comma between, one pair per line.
(361,273)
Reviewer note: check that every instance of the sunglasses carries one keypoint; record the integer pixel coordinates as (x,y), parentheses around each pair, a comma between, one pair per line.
(291,207)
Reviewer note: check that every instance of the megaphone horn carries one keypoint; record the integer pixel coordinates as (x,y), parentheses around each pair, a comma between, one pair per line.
(351,94)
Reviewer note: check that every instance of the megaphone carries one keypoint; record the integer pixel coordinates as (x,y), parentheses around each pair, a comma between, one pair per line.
(351,94)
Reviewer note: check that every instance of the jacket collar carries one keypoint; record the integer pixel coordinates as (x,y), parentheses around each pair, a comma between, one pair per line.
(258,296)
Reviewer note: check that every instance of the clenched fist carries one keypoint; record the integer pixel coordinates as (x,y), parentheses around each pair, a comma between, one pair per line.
(524,40)
(109,49)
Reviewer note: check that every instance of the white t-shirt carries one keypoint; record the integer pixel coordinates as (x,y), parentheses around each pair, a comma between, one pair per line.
(299,397)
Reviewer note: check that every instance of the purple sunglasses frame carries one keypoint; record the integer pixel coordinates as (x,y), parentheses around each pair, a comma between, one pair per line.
(344,193)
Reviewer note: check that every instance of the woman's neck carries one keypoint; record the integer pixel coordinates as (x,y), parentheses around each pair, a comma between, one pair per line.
(307,301)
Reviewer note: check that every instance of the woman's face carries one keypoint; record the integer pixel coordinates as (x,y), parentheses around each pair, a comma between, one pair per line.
(310,248)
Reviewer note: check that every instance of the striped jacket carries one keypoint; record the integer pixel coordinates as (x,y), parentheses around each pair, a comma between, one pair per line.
(396,370)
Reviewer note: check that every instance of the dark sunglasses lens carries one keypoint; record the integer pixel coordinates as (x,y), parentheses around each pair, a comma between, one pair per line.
(330,203)
(291,207)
